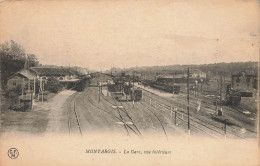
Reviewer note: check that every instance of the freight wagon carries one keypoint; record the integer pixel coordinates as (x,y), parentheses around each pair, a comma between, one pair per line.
(233,97)
(136,94)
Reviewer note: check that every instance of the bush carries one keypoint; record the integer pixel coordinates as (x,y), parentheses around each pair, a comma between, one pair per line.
(16,108)
(11,93)
(53,85)
(81,85)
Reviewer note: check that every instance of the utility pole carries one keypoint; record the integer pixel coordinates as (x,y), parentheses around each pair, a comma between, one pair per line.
(173,83)
(175,116)
(133,90)
(201,80)
(133,79)
(216,98)
(195,90)
(99,92)
(221,92)
(29,85)
(42,90)
(23,86)
(225,129)
(188,99)
(34,86)
(29,89)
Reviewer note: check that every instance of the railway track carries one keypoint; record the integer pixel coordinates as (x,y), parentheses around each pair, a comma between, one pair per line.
(123,109)
(228,110)
(209,105)
(205,124)
(157,119)
(120,118)
(182,119)
(201,122)
(72,116)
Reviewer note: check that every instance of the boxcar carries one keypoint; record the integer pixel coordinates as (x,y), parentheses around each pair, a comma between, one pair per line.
(136,95)
(167,88)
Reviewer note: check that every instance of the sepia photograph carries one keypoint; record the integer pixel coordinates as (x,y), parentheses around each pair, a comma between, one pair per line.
(122,82)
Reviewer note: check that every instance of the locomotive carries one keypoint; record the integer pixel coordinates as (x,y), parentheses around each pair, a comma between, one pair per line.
(122,89)
(233,97)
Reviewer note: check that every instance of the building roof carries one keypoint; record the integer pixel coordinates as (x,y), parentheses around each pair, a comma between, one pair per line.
(196,71)
(24,73)
(51,71)
(71,80)
(27,74)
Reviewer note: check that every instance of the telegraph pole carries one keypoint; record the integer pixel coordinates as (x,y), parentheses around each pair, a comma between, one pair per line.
(216,98)
(133,90)
(188,99)
(34,86)
(42,90)
(173,83)
(221,92)
(99,92)
(195,90)
(29,85)
(201,80)
(23,86)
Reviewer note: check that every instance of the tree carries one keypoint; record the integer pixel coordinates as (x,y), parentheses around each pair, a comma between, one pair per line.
(82,84)
(53,85)
(32,60)
(13,59)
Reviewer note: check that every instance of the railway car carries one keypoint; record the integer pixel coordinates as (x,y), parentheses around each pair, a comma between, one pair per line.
(223,119)
(177,89)
(113,88)
(234,98)
(145,82)
(167,88)
(118,95)
(136,94)
(127,89)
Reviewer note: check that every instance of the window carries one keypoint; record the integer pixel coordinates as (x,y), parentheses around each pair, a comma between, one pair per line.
(255,83)
(237,80)
(248,80)
(14,83)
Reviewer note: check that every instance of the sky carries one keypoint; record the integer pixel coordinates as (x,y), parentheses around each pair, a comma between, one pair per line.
(111,33)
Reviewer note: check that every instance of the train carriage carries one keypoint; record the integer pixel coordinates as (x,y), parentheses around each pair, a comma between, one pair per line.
(167,88)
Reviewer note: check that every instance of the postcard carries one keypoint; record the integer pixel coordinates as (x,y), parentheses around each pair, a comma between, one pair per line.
(123,82)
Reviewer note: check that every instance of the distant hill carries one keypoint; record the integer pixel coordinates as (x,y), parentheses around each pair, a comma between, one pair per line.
(79,70)
(211,69)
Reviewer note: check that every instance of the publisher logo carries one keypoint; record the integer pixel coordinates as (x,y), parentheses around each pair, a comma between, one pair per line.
(13,153)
